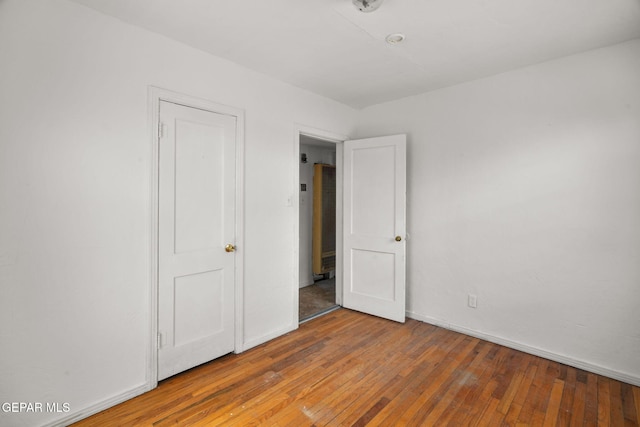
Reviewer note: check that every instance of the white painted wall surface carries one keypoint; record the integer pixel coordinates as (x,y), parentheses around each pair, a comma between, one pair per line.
(75,198)
(315,154)
(524,189)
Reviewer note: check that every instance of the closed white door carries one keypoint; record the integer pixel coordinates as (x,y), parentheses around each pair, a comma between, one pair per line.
(375,226)
(196,222)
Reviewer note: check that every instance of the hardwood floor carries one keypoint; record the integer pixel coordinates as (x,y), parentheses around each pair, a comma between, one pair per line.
(351,369)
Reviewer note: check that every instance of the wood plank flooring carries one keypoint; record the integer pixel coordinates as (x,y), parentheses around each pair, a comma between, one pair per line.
(350,369)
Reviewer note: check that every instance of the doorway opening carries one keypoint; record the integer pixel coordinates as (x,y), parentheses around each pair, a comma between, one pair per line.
(318,207)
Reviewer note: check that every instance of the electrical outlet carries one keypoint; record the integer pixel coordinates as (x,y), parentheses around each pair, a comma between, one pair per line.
(472,301)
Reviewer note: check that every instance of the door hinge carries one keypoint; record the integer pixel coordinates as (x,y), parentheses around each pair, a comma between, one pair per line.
(160,129)
(159,340)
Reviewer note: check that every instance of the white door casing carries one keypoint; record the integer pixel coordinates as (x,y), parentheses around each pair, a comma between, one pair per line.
(338,140)
(375,226)
(196,220)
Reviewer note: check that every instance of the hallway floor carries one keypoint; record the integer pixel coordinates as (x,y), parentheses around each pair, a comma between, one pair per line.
(317,298)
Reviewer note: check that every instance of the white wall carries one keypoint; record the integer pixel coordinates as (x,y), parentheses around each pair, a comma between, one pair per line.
(75,185)
(315,154)
(524,189)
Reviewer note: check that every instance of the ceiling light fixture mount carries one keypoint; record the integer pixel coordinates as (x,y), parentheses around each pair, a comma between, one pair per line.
(367,5)
(395,38)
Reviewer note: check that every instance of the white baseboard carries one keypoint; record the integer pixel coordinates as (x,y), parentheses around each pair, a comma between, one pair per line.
(304,284)
(99,407)
(267,337)
(596,369)
(115,400)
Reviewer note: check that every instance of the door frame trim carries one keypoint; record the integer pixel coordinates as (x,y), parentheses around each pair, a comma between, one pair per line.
(155,96)
(338,140)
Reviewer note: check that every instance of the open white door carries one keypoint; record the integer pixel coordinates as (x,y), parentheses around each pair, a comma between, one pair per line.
(375,226)
(196,235)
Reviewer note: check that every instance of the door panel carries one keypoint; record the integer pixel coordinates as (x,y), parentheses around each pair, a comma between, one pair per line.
(196,220)
(194,320)
(374,214)
(373,191)
(199,208)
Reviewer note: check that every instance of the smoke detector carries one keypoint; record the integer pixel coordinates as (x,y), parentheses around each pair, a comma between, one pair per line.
(367,5)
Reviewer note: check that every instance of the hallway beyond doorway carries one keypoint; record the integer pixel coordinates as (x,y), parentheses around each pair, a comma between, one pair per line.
(317,298)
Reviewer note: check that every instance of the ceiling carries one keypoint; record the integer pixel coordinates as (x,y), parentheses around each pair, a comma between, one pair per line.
(330,48)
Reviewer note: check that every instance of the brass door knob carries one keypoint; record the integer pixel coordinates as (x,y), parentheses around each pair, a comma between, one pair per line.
(230,248)
(398,238)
